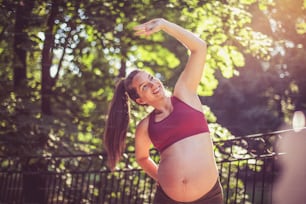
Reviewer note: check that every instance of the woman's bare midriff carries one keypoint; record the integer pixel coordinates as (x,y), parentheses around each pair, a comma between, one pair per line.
(187,170)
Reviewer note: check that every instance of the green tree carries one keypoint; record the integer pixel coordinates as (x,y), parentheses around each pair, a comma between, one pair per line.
(70,54)
(265,93)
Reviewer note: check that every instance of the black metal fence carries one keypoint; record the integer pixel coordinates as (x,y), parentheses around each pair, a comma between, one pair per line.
(247,167)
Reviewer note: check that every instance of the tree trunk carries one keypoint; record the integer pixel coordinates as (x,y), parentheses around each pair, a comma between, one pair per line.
(46,62)
(23,13)
(123,51)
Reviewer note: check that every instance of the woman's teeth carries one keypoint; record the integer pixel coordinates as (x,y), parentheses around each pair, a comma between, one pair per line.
(156,90)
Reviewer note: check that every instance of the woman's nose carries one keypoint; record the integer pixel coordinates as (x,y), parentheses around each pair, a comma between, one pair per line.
(153,84)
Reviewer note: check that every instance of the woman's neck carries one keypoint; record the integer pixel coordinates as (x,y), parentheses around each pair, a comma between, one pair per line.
(163,107)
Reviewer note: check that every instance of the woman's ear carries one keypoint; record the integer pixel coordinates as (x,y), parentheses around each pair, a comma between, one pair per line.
(140,101)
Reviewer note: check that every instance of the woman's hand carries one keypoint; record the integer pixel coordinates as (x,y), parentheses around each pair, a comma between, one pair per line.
(189,80)
(149,27)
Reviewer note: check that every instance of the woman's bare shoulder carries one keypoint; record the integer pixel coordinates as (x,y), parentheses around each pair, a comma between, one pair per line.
(142,139)
(143,125)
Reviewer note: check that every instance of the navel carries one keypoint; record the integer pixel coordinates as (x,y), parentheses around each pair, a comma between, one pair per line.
(184,181)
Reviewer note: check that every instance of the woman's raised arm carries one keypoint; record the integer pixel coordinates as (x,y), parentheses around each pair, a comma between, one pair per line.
(192,74)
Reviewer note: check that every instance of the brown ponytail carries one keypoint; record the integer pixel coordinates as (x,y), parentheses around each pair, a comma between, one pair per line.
(118,120)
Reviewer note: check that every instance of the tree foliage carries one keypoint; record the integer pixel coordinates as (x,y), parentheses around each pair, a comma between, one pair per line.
(75,51)
(60,61)
(266,92)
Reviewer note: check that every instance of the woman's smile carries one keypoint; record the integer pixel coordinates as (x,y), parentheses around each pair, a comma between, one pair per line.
(157,90)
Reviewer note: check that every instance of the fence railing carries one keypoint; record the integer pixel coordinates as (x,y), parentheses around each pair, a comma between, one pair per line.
(247,169)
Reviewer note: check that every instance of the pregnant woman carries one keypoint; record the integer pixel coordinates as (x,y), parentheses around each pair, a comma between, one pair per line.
(187,171)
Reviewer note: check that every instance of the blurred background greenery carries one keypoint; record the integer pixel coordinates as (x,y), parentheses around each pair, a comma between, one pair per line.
(60,61)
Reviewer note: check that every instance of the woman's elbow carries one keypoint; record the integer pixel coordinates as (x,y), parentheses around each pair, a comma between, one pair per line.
(141,160)
(202,45)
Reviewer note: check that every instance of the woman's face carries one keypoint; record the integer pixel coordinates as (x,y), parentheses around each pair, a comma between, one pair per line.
(148,88)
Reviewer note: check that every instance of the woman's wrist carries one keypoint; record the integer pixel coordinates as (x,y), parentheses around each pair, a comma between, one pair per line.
(163,23)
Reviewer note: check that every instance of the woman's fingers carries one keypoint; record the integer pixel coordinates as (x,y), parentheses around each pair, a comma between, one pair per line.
(140,33)
(146,28)
(143,29)
(143,32)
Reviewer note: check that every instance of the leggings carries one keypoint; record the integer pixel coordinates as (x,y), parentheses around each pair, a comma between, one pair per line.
(214,196)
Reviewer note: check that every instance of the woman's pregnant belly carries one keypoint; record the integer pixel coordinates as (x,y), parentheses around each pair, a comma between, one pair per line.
(187,169)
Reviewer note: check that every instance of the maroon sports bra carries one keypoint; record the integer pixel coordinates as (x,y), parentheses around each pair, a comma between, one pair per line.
(184,121)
